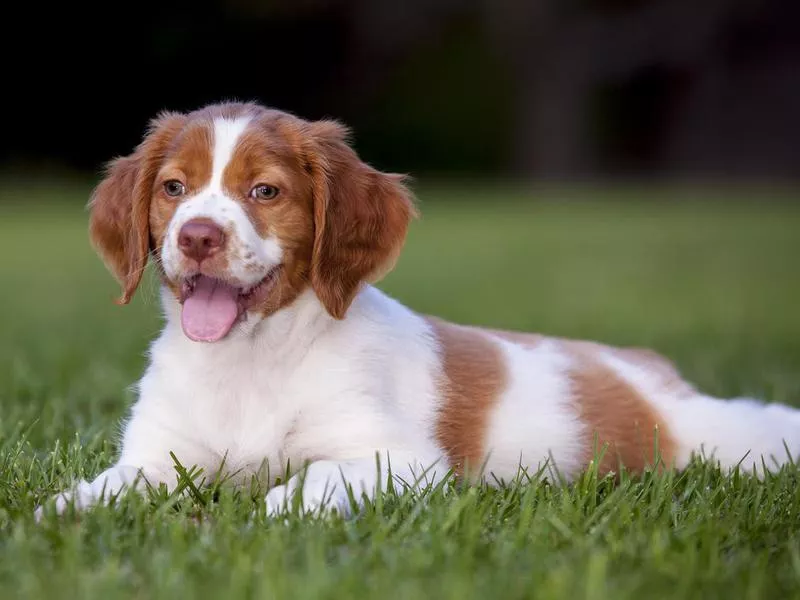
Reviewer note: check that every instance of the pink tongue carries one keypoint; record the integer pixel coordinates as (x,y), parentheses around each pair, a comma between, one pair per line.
(210,311)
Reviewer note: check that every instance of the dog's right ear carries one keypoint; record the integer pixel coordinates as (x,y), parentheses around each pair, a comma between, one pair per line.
(119,207)
(361,216)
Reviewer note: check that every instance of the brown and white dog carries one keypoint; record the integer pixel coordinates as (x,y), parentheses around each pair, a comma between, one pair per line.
(268,233)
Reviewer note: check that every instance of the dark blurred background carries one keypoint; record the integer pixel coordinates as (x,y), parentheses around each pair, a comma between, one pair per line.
(543,89)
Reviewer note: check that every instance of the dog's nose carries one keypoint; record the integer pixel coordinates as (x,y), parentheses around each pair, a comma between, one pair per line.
(200,238)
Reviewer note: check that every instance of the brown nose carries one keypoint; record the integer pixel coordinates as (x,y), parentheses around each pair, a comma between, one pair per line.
(200,238)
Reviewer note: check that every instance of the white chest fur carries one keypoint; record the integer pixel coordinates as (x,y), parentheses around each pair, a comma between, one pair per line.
(295,388)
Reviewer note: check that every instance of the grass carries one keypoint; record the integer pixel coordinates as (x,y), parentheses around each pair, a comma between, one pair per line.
(708,277)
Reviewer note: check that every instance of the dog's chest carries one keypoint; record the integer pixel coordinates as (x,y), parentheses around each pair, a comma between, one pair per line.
(241,414)
(242,402)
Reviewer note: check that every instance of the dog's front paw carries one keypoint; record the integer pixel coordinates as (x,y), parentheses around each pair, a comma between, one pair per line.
(82,496)
(86,494)
(320,489)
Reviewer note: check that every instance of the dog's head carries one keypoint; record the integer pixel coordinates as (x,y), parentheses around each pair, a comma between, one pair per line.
(242,209)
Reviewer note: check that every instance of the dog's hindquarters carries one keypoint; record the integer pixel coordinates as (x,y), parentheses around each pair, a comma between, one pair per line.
(736,432)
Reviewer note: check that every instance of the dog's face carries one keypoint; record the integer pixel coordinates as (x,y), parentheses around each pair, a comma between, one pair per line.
(243,208)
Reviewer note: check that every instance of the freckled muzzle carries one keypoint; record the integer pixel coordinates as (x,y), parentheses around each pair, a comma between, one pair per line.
(220,265)
(212,303)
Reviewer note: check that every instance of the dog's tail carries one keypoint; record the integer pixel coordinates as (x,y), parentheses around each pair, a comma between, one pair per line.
(737,432)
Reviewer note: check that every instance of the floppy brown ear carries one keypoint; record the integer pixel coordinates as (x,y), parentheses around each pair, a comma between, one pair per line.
(120,206)
(361,217)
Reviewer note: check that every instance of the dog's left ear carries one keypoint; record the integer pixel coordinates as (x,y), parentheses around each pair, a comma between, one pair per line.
(119,207)
(361,217)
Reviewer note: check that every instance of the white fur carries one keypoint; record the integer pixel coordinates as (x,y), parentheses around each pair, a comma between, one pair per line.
(250,257)
(534,425)
(226,136)
(298,388)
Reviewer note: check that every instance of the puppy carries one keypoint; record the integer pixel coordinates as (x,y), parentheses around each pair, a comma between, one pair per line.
(268,234)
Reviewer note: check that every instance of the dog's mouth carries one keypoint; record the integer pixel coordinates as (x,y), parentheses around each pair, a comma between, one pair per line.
(212,306)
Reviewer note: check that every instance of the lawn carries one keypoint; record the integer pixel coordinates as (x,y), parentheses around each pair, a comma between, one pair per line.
(710,277)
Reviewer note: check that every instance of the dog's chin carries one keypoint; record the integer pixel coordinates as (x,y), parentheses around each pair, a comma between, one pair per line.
(211,305)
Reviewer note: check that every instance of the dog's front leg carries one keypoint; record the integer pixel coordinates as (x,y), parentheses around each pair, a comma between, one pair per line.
(328,485)
(146,459)
(106,486)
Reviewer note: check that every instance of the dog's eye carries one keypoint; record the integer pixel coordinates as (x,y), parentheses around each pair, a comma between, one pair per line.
(174,188)
(263,192)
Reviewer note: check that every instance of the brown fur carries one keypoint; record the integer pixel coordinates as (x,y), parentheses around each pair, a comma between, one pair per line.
(621,424)
(361,218)
(614,412)
(120,205)
(473,378)
(189,162)
(265,154)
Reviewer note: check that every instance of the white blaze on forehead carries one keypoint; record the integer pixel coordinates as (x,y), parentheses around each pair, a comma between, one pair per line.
(226,136)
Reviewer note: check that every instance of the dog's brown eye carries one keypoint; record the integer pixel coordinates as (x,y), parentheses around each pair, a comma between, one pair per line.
(263,192)
(174,188)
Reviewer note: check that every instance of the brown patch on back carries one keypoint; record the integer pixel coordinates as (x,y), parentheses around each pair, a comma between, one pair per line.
(473,377)
(669,377)
(644,358)
(616,414)
(621,423)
